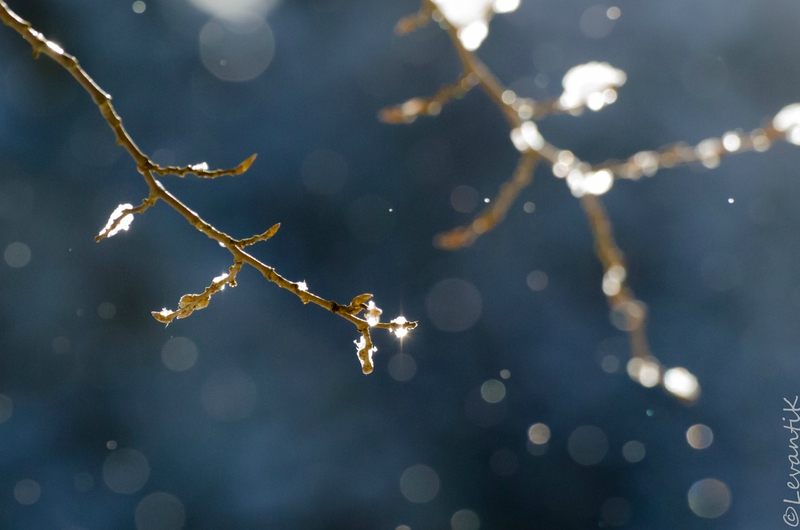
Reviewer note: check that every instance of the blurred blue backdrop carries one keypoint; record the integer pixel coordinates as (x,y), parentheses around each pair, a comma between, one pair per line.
(253,413)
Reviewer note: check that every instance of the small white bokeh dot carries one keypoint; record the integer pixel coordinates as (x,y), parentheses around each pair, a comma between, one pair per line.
(139,7)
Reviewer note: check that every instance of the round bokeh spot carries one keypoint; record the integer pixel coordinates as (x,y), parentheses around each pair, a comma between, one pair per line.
(454,305)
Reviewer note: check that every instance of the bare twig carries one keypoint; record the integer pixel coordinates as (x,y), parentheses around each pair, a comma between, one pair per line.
(122,217)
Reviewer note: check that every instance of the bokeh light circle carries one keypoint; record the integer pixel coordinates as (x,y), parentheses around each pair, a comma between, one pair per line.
(237,52)
(493,391)
(6,408)
(709,498)
(179,354)
(587,445)
(160,511)
(126,471)
(234,10)
(633,451)
(27,491)
(454,305)
(539,433)
(699,436)
(402,367)
(17,255)
(465,520)
(464,199)
(229,395)
(419,484)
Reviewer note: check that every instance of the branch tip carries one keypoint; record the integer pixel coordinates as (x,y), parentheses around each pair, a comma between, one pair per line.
(271,231)
(244,166)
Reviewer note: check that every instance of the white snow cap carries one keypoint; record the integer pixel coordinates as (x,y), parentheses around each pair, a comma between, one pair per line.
(788,121)
(471,17)
(591,83)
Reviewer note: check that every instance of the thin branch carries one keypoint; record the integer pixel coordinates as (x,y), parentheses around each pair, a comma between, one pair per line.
(472,65)
(628,312)
(123,215)
(192,302)
(201,170)
(709,152)
(431,106)
(271,231)
(464,236)
(416,21)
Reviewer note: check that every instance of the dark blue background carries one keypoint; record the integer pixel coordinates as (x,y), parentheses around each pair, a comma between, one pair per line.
(325,446)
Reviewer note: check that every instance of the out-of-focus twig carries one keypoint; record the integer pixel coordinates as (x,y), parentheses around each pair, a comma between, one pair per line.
(464,236)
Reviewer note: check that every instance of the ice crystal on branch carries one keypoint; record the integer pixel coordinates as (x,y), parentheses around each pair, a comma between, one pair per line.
(592,85)
(120,220)
(373,314)
(471,17)
(526,137)
(402,327)
(680,382)
(365,351)
(788,121)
